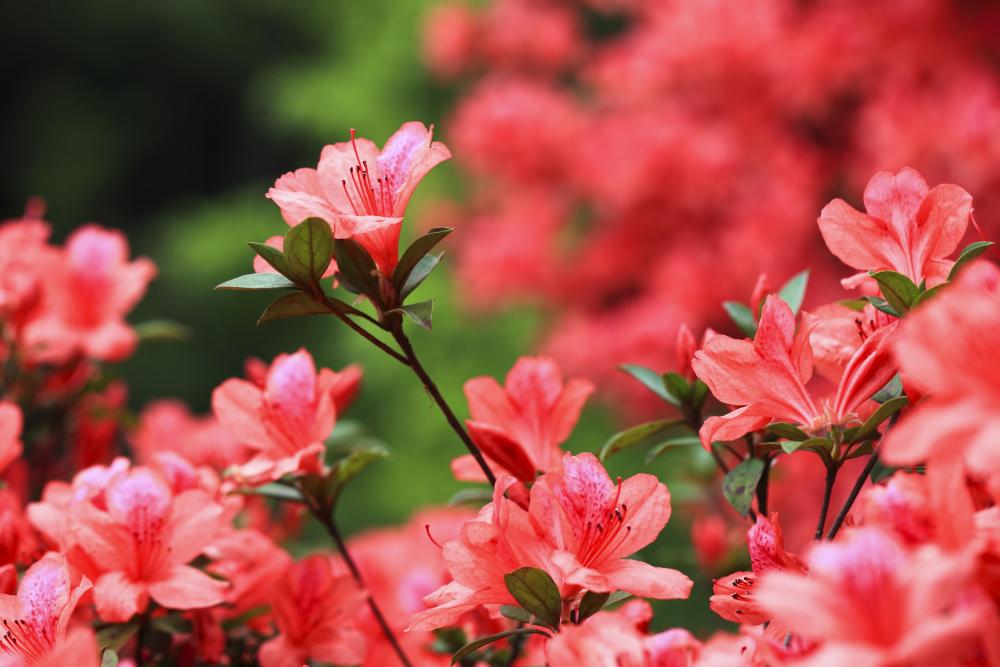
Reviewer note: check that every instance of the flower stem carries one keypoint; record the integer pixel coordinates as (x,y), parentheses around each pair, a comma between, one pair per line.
(516,646)
(831,477)
(325,518)
(762,487)
(413,362)
(855,490)
(361,331)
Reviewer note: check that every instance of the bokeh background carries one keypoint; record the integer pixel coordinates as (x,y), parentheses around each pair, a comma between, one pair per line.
(170,121)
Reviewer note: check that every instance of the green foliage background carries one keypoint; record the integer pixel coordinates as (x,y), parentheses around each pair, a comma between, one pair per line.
(170,120)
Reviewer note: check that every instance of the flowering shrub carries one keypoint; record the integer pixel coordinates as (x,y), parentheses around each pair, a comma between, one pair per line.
(172,551)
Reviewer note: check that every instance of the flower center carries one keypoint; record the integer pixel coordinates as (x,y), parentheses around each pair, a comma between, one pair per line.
(365,197)
(604,534)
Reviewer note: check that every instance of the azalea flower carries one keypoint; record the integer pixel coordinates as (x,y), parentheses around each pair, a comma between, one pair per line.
(11,422)
(24,252)
(733,596)
(138,545)
(908,228)
(89,287)
(168,426)
(315,610)
(360,191)
(946,350)
(286,421)
(767,377)
(579,527)
(520,426)
(35,619)
(254,565)
(868,601)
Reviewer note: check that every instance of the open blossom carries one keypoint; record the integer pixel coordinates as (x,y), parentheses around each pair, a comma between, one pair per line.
(360,191)
(23,252)
(579,527)
(89,287)
(286,421)
(138,541)
(868,601)
(254,566)
(946,349)
(315,609)
(10,433)
(520,426)
(35,619)
(733,596)
(908,228)
(620,639)
(168,426)
(767,377)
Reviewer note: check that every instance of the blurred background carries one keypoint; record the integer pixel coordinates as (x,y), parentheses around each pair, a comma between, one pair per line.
(622,167)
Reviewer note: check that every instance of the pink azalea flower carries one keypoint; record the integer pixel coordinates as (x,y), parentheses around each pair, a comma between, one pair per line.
(767,377)
(946,349)
(361,191)
(315,610)
(286,421)
(11,422)
(34,621)
(867,601)
(908,228)
(579,527)
(139,545)
(254,565)
(168,426)
(24,252)
(520,426)
(89,288)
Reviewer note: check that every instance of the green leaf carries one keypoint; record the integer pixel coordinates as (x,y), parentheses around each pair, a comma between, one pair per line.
(172,624)
(881,304)
(419,274)
(416,252)
(741,483)
(881,471)
(672,443)
(536,592)
(272,256)
(248,615)
(786,430)
(116,635)
(350,467)
(278,492)
(162,331)
(969,253)
(854,304)
(471,647)
(699,392)
(590,604)
(651,379)
(677,386)
(742,316)
(476,497)
(928,294)
(892,389)
(647,433)
(420,313)
(870,428)
(294,304)
(109,658)
(256,281)
(308,250)
(898,290)
(515,613)
(794,291)
(811,444)
(355,267)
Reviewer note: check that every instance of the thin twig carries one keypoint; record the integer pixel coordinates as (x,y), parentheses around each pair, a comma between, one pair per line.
(516,646)
(855,490)
(364,333)
(762,487)
(831,477)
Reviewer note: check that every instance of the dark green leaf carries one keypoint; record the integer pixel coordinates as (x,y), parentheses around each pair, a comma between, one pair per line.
(928,294)
(794,291)
(651,379)
(699,392)
(248,615)
(308,250)
(811,444)
(882,304)
(355,267)
(881,471)
(590,604)
(672,443)
(969,253)
(420,313)
(278,492)
(741,483)
(892,389)
(515,613)
(677,386)
(255,281)
(870,428)
(471,647)
(172,624)
(476,497)
(854,304)
(643,434)
(419,274)
(416,252)
(116,635)
(898,290)
(742,316)
(162,331)
(109,658)
(350,467)
(786,430)
(294,304)
(536,592)
(272,256)
(448,640)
